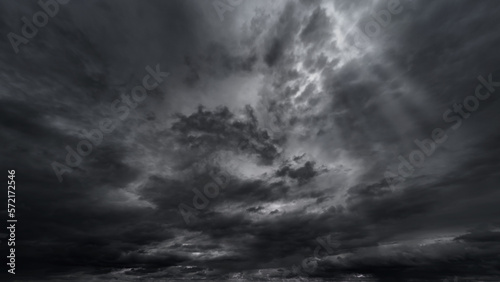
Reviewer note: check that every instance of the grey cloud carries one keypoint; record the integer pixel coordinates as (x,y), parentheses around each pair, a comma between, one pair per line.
(303,125)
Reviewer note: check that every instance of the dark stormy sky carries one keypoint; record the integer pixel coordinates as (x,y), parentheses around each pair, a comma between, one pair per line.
(281,107)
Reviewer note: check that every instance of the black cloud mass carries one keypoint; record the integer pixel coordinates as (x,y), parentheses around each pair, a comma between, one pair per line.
(251,140)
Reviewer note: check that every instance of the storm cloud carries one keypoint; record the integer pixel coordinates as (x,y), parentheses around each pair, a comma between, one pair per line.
(316,128)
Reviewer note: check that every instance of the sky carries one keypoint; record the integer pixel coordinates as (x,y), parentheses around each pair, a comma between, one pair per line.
(251,140)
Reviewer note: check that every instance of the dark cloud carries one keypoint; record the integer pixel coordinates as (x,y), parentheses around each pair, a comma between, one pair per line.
(285,110)
(302,174)
(318,28)
(207,131)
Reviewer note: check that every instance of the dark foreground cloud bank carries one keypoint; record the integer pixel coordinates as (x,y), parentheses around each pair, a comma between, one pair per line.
(262,127)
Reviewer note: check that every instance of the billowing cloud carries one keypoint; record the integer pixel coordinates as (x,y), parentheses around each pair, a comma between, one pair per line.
(291,139)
